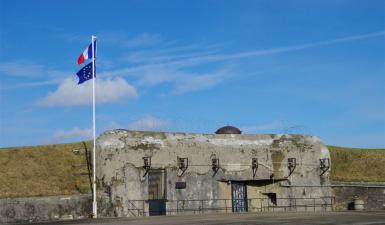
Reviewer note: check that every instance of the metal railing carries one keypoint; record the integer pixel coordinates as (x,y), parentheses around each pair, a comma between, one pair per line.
(22,209)
(137,207)
(294,204)
(202,206)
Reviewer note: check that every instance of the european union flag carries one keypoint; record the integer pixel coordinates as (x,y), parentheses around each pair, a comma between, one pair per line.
(85,73)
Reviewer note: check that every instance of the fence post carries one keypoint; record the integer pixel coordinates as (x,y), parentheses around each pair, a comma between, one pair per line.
(144,210)
(314,204)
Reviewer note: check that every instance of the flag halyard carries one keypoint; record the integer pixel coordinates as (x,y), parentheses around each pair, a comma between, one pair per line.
(86,73)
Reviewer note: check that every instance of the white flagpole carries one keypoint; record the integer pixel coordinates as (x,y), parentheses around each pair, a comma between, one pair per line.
(94,205)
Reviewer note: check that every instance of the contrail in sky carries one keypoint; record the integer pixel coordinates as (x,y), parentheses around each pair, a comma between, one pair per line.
(204,59)
(224,57)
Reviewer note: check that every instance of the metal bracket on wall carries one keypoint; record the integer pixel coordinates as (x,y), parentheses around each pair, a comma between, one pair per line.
(214,163)
(291,164)
(182,165)
(254,166)
(324,165)
(147,165)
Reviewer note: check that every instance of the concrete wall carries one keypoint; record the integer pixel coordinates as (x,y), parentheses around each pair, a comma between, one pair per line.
(44,208)
(120,173)
(373,195)
(75,207)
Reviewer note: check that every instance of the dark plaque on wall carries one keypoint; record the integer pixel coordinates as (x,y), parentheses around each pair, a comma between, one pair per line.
(180,185)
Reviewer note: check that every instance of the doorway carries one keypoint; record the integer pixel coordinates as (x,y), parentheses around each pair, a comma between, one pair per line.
(239,197)
(157,192)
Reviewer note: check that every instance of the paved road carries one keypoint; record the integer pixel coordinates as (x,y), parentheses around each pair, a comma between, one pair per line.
(332,218)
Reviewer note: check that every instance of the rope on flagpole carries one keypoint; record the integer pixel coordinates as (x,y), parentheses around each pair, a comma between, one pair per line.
(94,205)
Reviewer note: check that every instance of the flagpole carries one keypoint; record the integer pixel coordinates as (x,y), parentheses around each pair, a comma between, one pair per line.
(94,204)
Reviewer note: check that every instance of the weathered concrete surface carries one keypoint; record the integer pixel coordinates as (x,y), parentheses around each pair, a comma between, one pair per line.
(326,218)
(120,174)
(44,208)
(373,195)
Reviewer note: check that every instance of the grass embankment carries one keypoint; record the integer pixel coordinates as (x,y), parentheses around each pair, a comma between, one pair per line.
(357,165)
(43,170)
(61,170)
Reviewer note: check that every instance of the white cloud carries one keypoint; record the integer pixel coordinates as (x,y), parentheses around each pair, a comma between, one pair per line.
(69,93)
(23,68)
(143,40)
(169,54)
(171,66)
(292,48)
(151,77)
(204,58)
(69,135)
(29,84)
(182,81)
(123,40)
(192,82)
(148,123)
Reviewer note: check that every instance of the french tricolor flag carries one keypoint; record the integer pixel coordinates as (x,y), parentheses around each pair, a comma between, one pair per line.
(87,54)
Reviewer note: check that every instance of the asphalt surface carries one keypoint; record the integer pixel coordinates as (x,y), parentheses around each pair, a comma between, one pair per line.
(340,218)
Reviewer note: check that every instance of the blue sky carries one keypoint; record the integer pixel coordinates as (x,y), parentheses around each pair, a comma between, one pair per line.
(309,67)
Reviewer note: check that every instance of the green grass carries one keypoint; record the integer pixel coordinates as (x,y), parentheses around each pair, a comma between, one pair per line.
(57,169)
(357,165)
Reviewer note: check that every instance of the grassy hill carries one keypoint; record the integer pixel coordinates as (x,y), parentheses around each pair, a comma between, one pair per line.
(62,169)
(358,165)
(44,170)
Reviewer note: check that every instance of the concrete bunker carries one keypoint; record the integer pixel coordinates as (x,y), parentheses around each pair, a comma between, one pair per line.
(157,173)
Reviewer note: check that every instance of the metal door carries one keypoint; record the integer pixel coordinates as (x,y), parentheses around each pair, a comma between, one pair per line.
(157,207)
(239,197)
(157,192)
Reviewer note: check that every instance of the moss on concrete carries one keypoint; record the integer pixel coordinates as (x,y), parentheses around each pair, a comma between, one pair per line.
(145,146)
(276,143)
(115,181)
(297,141)
(277,157)
(141,134)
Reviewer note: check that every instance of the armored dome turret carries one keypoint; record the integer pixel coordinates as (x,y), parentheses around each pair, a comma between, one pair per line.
(228,130)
